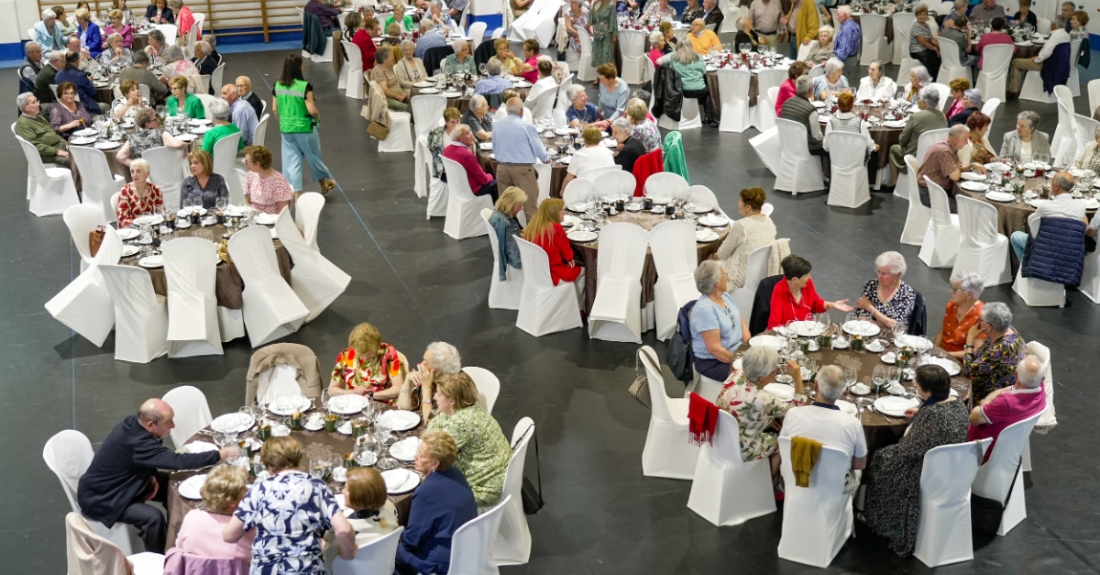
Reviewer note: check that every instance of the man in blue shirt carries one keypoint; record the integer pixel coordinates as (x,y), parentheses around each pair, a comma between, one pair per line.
(240,113)
(430,37)
(493,83)
(517,146)
(847,43)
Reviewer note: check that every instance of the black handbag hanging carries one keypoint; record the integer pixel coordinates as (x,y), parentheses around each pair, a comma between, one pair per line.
(532,496)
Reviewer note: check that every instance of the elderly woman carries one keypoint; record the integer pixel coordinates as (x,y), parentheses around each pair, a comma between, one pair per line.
(846,121)
(177,64)
(824,50)
(461,62)
(383,74)
(923,45)
(529,68)
(754,230)
(692,69)
(372,513)
(440,359)
(704,41)
(125,106)
(645,130)
(1025,143)
(576,17)
(63,20)
(614,92)
(69,115)
(368,366)
(893,481)
(1025,15)
(545,230)
(440,505)
(508,228)
(692,12)
(971,103)
(717,328)
(118,26)
(90,37)
(918,80)
(156,48)
(439,138)
(508,62)
(659,11)
(991,363)
(886,299)
(265,189)
(290,510)
(958,87)
(182,102)
(964,311)
(630,148)
(875,85)
(139,197)
(833,83)
(479,119)
(483,451)
(223,128)
(658,47)
(794,297)
(115,53)
(1088,158)
(757,410)
(582,113)
(203,184)
(399,17)
(363,33)
(437,16)
(670,36)
(201,531)
(978,150)
(746,34)
(148,135)
(158,12)
(410,69)
(49,32)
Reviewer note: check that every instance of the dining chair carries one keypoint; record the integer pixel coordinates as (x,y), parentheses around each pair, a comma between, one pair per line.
(1001,477)
(506,293)
(463,207)
(982,248)
(818,519)
(307,216)
(1047,419)
(141,316)
(544,307)
(848,187)
(225,163)
(190,269)
(941,240)
(85,305)
(89,551)
(271,308)
(993,77)
(82,220)
(192,413)
(513,541)
(472,544)
(733,86)
(97,181)
(799,172)
(726,489)
(616,313)
(375,556)
(918,216)
(315,280)
(944,529)
(666,185)
(488,386)
(50,189)
(668,452)
(675,258)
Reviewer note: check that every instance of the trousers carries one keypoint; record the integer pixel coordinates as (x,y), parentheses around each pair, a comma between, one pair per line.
(150,522)
(296,147)
(524,178)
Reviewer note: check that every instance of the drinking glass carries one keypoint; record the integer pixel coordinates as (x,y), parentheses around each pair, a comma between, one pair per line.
(221,203)
(160,111)
(745,47)
(851,376)
(878,376)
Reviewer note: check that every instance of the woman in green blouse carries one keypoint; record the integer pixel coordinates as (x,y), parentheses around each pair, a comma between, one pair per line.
(192,106)
(483,451)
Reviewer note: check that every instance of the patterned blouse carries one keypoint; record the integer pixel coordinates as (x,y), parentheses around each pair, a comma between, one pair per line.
(483,451)
(993,366)
(131,204)
(979,153)
(453,66)
(578,23)
(60,115)
(264,194)
(143,140)
(290,513)
(375,374)
(121,101)
(899,308)
(755,411)
(648,134)
(653,12)
(953,333)
(691,14)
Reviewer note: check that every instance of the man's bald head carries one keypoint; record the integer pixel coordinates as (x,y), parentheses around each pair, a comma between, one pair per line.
(244,85)
(156,417)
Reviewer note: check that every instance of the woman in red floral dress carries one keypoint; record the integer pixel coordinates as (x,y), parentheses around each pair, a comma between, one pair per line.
(368,366)
(138,197)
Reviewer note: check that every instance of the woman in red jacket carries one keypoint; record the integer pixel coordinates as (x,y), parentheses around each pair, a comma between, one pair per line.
(794,297)
(545,230)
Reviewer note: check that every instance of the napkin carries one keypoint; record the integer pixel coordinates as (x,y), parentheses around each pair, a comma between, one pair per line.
(223,252)
(702,418)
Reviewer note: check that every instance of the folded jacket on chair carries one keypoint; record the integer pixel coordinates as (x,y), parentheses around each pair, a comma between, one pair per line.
(804,455)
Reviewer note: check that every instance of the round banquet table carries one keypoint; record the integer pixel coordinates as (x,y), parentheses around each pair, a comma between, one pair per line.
(716,94)
(117,168)
(557,169)
(228,285)
(587,253)
(314,444)
(880,430)
(882,135)
(462,103)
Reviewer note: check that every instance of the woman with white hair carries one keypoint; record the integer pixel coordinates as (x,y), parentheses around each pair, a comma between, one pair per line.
(824,51)
(48,33)
(219,110)
(139,197)
(149,135)
(1025,142)
(746,34)
(115,52)
(717,328)
(971,103)
(833,82)
(441,19)
(692,68)
(440,358)
(583,113)
(658,45)
(1089,156)
(659,11)
(875,85)
(964,311)
(756,410)
(886,299)
(919,78)
(991,362)
(409,69)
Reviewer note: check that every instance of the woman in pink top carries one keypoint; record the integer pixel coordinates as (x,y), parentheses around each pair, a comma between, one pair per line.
(657,41)
(529,70)
(201,531)
(265,189)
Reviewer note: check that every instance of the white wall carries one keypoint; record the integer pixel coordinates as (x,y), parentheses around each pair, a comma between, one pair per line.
(15,29)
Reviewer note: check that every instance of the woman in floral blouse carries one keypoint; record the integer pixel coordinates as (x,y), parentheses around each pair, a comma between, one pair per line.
(483,451)
(755,409)
(368,366)
(265,189)
(645,130)
(139,197)
(887,300)
(991,363)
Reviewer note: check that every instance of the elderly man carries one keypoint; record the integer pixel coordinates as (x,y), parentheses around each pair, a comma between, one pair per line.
(203,61)
(518,147)
(47,33)
(592,156)
(987,11)
(941,165)
(1077,22)
(492,83)
(765,15)
(460,151)
(86,62)
(140,73)
(461,62)
(1061,21)
(798,108)
(47,75)
(958,9)
(479,119)
(244,88)
(35,128)
(846,46)
(630,148)
(84,86)
(825,423)
(712,14)
(430,37)
(1009,405)
(1062,205)
(125,473)
(240,113)
(928,118)
(387,80)
(32,65)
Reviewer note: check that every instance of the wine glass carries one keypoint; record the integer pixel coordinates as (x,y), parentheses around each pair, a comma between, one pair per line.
(851,375)
(745,47)
(481,69)
(878,376)
(221,203)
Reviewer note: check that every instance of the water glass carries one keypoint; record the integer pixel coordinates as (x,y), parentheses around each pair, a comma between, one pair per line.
(878,376)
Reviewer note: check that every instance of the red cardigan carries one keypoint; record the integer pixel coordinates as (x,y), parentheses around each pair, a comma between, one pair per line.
(557,247)
(786,90)
(464,156)
(784,308)
(366,47)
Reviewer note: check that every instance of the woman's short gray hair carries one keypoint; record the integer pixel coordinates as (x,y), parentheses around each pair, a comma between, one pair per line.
(204,46)
(830,383)
(742,21)
(573,92)
(1032,118)
(143,116)
(622,125)
(114,36)
(833,65)
(759,362)
(828,30)
(444,357)
(477,101)
(142,165)
(407,44)
(922,75)
(436,4)
(492,67)
(173,53)
(219,109)
(997,315)
(656,37)
(707,275)
(47,14)
(969,282)
(892,260)
(974,96)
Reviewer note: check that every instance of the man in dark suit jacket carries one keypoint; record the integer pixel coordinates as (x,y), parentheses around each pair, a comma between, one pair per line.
(124,473)
(244,87)
(712,14)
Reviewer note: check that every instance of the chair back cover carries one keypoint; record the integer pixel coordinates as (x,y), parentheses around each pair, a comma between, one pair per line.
(98,181)
(90,554)
(472,544)
(536,265)
(190,268)
(703,196)
(513,542)
(427,109)
(578,191)
(666,185)
(488,385)
(1047,420)
(658,397)
(81,220)
(260,134)
(673,247)
(994,478)
(192,412)
(68,454)
(377,556)
(166,169)
(622,251)
(307,214)
(977,221)
(941,209)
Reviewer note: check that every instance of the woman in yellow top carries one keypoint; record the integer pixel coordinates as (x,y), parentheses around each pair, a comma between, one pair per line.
(806,23)
(400,18)
(508,61)
(368,366)
(702,39)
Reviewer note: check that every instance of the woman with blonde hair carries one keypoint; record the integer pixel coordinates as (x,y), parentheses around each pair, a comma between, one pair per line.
(368,366)
(824,49)
(645,129)
(754,230)
(182,102)
(201,531)
(127,105)
(119,26)
(545,230)
(203,184)
(507,227)
(508,61)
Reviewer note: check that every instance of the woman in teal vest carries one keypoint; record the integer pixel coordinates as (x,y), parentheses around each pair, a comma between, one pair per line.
(298,119)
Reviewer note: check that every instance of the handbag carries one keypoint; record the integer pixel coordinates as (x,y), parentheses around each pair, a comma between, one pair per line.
(529,494)
(639,390)
(95,239)
(378,131)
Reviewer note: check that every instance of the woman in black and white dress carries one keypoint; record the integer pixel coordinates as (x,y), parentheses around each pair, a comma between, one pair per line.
(847,121)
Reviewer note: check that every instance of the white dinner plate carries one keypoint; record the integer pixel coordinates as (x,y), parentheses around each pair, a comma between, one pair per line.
(186,212)
(706,235)
(579,208)
(347,404)
(780,391)
(860,327)
(128,124)
(424,84)
(773,341)
(609,142)
(288,405)
(400,481)
(405,450)
(199,447)
(190,488)
(235,422)
(1024,44)
(187,137)
(1036,202)
(151,219)
(714,220)
(999,166)
(82,141)
(974,186)
(918,343)
(1000,196)
(952,368)
(860,389)
(847,407)
(697,207)
(450,94)
(200,130)
(107,145)
(570,221)
(818,104)
(485,146)
(894,123)
(1091,204)
(973,176)
(523,84)
(266,219)
(895,406)
(807,328)
(199,122)
(429,91)
(86,132)
(400,420)
(565,131)
(151,262)
(128,251)
(581,236)
(128,233)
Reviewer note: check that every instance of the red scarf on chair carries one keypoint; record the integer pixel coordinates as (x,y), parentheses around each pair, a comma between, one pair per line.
(702,417)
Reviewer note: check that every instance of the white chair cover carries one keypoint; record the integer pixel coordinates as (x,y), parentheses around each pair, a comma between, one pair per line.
(1074,80)
(141,316)
(756,270)
(1047,420)
(667,453)
(578,191)
(903,23)
(1039,293)
(1063,147)
(513,543)
(1094,94)
(277,381)
(191,409)
(542,109)
(307,214)
(85,305)
(271,308)
(376,556)
(632,44)
(68,454)
(97,180)
(50,190)
(1032,88)
(798,171)
(544,308)
(463,207)
(591,174)
(849,187)
(225,163)
(585,71)
(351,76)
(875,46)
(538,22)
(400,138)
(206,99)
(766,143)
(472,544)
(434,188)
(727,490)
(941,241)
(690,117)
(488,386)
(817,520)
(993,77)
(427,109)
(733,85)
(166,170)
(703,196)
(562,101)
(217,78)
(261,131)
(943,531)
(543,174)
(1086,131)
(904,189)
(316,281)
(1090,278)
(982,248)
(1001,477)
(766,81)
(674,256)
(945,94)
(190,268)
(81,220)
(614,182)
(616,314)
(989,108)
(666,185)
(951,67)
(476,33)
(502,294)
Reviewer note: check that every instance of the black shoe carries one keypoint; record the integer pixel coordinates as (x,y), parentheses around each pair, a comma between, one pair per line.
(886,189)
